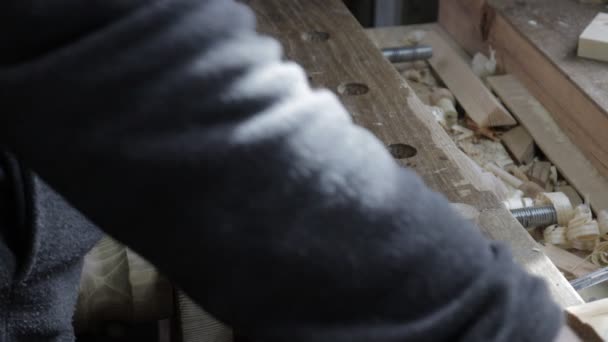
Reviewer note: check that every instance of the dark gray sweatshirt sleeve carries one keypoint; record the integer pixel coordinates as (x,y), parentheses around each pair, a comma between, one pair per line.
(178,130)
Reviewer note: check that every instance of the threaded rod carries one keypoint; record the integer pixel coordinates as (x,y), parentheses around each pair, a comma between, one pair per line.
(535,216)
(408,54)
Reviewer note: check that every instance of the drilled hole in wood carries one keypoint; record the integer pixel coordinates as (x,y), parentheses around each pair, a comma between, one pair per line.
(402,151)
(353,89)
(315,36)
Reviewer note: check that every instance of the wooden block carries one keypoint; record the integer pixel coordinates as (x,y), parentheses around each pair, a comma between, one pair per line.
(540,172)
(559,149)
(520,144)
(568,262)
(593,314)
(593,42)
(480,105)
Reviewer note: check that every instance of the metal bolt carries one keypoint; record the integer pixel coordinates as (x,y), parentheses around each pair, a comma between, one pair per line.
(536,216)
(407,54)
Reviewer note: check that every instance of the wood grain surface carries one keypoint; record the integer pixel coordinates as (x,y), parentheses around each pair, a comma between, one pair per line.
(326,40)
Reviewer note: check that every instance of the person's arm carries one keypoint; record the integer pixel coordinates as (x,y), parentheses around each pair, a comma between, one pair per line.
(566,334)
(178,130)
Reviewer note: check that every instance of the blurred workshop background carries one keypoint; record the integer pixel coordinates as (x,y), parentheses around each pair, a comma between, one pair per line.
(374,13)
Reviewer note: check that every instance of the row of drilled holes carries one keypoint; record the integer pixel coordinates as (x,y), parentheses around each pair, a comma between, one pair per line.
(398,151)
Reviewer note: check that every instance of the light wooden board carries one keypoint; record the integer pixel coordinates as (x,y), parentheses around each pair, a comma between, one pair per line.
(568,159)
(568,262)
(520,144)
(594,314)
(480,105)
(536,42)
(593,42)
(391,110)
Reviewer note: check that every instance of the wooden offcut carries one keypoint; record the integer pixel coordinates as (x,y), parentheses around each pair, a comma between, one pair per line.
(390,109)
(520,144)
(593,42)
(568,262)
(540,172)
(536,42)
(559,149)
(593,314)
(479,104)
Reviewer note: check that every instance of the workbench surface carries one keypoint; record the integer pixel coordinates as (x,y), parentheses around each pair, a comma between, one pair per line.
(326,40)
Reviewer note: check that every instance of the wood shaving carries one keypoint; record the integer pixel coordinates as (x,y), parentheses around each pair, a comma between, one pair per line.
(556,235)
(582,216)
(483,66)
(414,37)
(582,227)
(553,175)
(504,175)
(526,168)
(584,232)
(462,133)
(443,98)
(599,256)
(583,245)
(438,114)
(602,220)
(412,75)
(517,172)
(518,201)
(485,151)
(561,203)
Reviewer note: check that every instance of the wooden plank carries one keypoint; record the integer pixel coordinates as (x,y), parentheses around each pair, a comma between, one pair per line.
(568,262)
(480,105)
(462,20)
(520,144)
(536,42)
(569,160)
(593,42)
(594,314)
(389,108)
